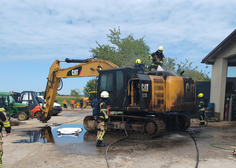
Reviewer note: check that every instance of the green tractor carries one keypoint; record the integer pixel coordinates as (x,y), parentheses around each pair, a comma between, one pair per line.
(13,109)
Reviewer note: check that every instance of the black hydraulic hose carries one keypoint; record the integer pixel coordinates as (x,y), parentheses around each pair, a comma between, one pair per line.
(74,60)
(60,85)
(126,134)
(196,148)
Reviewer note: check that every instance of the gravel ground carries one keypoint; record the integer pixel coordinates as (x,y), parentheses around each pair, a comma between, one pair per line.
(173,150)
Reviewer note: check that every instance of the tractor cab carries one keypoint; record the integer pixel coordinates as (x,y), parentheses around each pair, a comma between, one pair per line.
(14,109)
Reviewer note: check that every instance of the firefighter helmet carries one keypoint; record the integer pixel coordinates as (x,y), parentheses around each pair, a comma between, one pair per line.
(138,61)
(104,94)
(200,95)
(160,48)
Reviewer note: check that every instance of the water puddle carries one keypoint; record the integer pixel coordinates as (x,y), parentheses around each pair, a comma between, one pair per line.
(49,134)
(85,142)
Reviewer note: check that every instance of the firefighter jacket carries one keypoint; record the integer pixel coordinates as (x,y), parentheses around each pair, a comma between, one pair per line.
(201,104)
(3,119)
(157,58)
(102,114)
(140,67)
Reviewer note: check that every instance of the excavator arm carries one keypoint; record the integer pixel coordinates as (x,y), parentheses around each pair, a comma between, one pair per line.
(87,67)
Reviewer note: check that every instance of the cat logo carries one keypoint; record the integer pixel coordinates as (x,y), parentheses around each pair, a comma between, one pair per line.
(144,87)
(74,72)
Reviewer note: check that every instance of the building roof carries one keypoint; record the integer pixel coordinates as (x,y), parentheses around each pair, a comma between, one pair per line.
(209,59)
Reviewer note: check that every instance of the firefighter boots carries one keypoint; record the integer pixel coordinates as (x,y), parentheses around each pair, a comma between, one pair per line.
(100,144)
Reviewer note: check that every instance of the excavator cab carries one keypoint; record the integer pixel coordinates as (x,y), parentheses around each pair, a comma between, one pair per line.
(115,81)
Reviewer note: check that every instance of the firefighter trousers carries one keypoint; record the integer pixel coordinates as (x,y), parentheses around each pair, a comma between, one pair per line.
(100,130)
(1,149)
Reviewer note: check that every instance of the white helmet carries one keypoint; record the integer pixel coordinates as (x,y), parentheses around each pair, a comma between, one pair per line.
(104,94)
(160,48)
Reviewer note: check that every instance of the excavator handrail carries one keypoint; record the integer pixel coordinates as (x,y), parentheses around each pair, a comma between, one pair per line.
(87,67)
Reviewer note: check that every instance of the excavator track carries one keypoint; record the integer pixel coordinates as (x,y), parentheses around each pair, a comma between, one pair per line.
(149,127)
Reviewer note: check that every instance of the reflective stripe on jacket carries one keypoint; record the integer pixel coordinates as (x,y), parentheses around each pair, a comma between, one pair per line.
(5,122)
(103,112)
(201,104)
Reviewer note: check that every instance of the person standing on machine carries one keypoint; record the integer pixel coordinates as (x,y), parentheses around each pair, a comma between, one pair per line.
(139,65)
(157,59)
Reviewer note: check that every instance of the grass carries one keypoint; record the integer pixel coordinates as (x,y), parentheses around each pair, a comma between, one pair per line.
(60,99)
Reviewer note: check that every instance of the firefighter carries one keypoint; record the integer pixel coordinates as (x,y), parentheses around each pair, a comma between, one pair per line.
(3,122)
(201,108)
(102,117)
(138,65)
(157,58)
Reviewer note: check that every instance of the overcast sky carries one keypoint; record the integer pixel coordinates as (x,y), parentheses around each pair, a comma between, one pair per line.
(33,34)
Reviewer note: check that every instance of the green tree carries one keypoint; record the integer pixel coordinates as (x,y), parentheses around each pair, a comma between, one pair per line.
(90,86)
(186,66)
(123,51)
(169,64)
(75,92)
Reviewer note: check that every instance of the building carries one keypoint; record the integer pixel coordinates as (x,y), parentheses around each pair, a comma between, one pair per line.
(222,58)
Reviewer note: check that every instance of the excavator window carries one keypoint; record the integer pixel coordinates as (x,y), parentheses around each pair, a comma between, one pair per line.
(119,81)
(106,83)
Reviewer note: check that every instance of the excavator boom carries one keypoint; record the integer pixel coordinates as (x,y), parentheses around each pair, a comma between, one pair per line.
(87,67)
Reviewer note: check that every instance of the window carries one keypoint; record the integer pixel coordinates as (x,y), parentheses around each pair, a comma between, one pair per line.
(119,81)
(40,100)
(231,72)
(11,100)
(4,100)
(106,82)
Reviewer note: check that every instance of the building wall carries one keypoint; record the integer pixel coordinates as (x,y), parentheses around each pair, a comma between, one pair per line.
(218,85)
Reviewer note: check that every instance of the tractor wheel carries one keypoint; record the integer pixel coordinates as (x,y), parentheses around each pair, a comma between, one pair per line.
(37,114)
(22,116)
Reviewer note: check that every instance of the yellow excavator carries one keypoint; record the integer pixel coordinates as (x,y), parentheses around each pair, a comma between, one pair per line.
(87,67)
(150,103)
(88,100)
